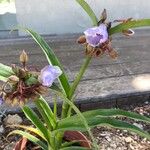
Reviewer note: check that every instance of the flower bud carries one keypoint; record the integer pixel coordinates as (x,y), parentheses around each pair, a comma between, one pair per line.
(104,15)
(113,54)
(81,39)
(15,69)
(23,57)
(42,89)
(8,101)
(98,52)
(8,88)
(14,102)
(128,32)
(22,103)
(22,73)
(13,79)
(89,50)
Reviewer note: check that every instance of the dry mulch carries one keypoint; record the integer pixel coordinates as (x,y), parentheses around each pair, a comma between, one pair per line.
(108,139)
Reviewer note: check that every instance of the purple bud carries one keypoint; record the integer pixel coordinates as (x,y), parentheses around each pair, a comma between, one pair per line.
(49,74)
(97,35)
(1,100)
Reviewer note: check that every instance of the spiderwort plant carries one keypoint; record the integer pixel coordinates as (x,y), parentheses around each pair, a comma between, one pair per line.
(21,85)
(24,84)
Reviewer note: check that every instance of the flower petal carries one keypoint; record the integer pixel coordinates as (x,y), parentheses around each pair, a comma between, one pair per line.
(49,74)
(97,35)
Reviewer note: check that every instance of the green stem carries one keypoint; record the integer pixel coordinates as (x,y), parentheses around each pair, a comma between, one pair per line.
(79,76)
(83,68)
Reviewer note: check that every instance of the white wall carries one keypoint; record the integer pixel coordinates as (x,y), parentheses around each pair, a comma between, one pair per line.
(66,16)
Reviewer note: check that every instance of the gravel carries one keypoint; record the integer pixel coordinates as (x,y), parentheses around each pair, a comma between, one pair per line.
(107,138)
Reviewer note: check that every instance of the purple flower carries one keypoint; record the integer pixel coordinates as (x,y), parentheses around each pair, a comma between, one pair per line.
(1,100)
(97,35)
(49,74)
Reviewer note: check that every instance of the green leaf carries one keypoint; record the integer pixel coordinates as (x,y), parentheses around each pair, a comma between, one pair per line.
(3,78)
(55,108)
(31,115)
(75,148)
(31,80)
(31,138)
(66,124)
(89,11)
(29,128)
(102,117)
(82,119)
(67,144)
(46,113)
(51,57)
(110,113)
(114,113)
(5,72)
(55,87)
(128,25)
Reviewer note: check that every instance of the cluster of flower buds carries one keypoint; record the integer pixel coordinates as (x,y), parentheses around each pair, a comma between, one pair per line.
(97,40)
(26,85)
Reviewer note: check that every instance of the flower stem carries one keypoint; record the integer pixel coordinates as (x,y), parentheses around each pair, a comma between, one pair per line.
(83,68)
(79,76)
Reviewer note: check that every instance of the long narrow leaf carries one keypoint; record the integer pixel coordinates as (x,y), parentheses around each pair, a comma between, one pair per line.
(89,11)
(51,57)
(110,113)
(31,138)
(75,148)
(47,119)
(47,108)
(36,121)
(115,112)
(55,108)
(101,121)
(5,72)
(29,128)
(2,78)
(82,118)
(128,25)
(67,144)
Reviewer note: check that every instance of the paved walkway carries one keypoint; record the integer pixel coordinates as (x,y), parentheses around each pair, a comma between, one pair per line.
(109,82)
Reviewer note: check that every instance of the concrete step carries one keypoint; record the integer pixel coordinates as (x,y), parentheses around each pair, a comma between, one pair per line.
(107,82)
(7,34)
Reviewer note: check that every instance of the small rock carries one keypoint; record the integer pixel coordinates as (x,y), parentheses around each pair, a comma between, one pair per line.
(10,146)
(128,139)
(146,102)
(138,125)
(108,138)
(113,145)
(131,147)
(103,134)
(125,131)
(2,130)
(13,119)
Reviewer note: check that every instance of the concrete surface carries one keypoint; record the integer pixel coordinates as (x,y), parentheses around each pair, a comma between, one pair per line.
(108,82)
(66,16)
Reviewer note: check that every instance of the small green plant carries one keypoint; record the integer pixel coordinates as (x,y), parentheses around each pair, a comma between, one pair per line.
(21,85)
